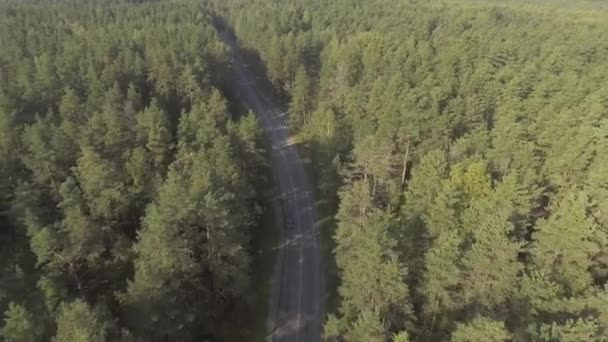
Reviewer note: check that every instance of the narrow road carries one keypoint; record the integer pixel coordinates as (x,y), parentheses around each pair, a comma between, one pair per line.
(296,304)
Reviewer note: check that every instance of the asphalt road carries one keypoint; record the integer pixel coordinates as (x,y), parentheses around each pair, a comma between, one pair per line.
(296,304)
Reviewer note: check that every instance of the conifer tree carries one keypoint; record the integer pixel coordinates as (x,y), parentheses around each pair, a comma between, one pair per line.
(79,322)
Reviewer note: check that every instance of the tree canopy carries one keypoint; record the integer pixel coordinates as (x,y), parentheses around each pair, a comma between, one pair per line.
(461,144)
(465,140)
(129,185)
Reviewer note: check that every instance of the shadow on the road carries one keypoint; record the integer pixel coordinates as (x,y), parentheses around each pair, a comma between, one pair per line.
(269,103)
(287,327)
(296,240)
(326,205)
(253,62)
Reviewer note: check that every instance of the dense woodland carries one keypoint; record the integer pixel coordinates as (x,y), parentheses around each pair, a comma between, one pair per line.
(127,186)
(462,142)
(466,145)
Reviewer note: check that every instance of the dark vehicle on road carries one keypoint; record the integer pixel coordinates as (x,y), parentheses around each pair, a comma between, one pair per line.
(289,223)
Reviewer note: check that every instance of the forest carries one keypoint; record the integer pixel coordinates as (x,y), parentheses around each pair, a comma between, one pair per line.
(128,183)
(459,146)
(463,143)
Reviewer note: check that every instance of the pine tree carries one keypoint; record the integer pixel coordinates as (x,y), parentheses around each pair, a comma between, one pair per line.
(401,337)
(159,301)
(373,157)
(491,263)
(245,137)
(570,331)
(442,279)
(8,159)
(83,238)
(481,329)
(566,242)
(159,139)
(20,325)
(275,61)
(332,329)
(138,164)
(45,77)
(71,112)
(190,86)
(79,322)
(102,186)
(367,328)
(40,156)
(300,105)
(365,255)
(425,183)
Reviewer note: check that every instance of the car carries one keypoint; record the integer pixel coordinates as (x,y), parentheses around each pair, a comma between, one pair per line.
(289,223)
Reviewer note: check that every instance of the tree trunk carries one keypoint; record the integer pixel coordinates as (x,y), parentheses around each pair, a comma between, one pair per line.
(405,160)
(76,279)
(374,187)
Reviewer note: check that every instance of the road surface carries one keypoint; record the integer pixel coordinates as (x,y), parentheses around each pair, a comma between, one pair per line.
(296,303)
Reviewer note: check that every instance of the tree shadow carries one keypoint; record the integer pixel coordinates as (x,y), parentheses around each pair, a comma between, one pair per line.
(252,60)
(325,185)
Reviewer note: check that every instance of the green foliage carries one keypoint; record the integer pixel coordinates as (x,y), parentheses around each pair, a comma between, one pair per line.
(401,337)
(332,329)
(101,185)
(153,132)
(192,235)
(481,329)
(127,190)
(490,263)
(300,105)
(469,138)
(79,322)
(570,331)
(426,182)
(20,325)
(565,243)
(44,156)
(366,255)
(367,327)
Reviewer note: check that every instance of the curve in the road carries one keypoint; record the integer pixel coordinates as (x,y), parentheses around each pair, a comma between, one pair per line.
(296,301)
